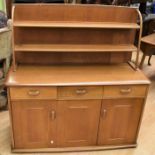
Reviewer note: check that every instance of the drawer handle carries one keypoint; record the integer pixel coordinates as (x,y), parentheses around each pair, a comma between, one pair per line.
(125,91)
(33,92)
(81,91)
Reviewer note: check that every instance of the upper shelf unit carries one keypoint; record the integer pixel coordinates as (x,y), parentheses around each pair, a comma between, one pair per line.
(74,34)
(58,24)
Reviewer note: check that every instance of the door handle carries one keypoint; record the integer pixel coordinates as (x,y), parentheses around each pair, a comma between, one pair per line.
(53,115)
(104,113)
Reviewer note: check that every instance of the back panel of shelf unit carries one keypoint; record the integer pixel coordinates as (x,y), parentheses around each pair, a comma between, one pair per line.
(75,13)
(73,36)
(46,58)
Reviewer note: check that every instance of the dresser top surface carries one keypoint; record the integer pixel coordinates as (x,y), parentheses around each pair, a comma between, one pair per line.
(75,75)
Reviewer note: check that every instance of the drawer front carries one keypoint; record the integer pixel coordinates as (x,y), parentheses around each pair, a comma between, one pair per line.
(125,91)
(88,92)
(33,93)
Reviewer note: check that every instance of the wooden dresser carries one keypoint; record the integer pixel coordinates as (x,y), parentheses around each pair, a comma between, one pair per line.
(72,85)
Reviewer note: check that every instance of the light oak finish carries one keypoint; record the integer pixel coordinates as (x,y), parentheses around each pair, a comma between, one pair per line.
(65,150)
(139,39)
(75,24)
(33,124)
(145,145)
(13,53)
(119,121)
(73,36)
(80,28)
(74,48)
(71,13)
(11,122)
(72,58)
(75,75)
(61,66)
(17,93)
(74,92)
(125,91)
(78,122)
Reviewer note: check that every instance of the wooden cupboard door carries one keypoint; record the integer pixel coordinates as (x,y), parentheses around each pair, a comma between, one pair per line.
(34,123)
(78,122)
(119,121)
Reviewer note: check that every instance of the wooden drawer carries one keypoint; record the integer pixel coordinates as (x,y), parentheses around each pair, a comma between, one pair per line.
(81,92)
(125,91)
(33,92)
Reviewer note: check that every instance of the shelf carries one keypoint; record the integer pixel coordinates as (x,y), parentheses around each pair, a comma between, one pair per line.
(75,75)
(58,24)
(73,48)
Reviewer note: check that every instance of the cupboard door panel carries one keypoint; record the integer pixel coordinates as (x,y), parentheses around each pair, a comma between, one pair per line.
(78,122)
(119,121)
(33,127)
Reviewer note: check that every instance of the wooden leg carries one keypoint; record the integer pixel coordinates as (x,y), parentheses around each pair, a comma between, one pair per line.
(149,60)
(142,61)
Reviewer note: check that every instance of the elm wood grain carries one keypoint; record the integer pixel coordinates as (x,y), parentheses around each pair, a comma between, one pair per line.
(119,121)
(85,92)
(118,58)
(142,111)
(73,36)
(75,75)
(108,24)
(74,48)
(125,91)
(78,122)
(10,119)
(77,13)
(144,146)
(73,149)
(32,125)
(13,43)
(72,75)
(99,18)
(139,39)
(59,24)
(17,93)
(71,58)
